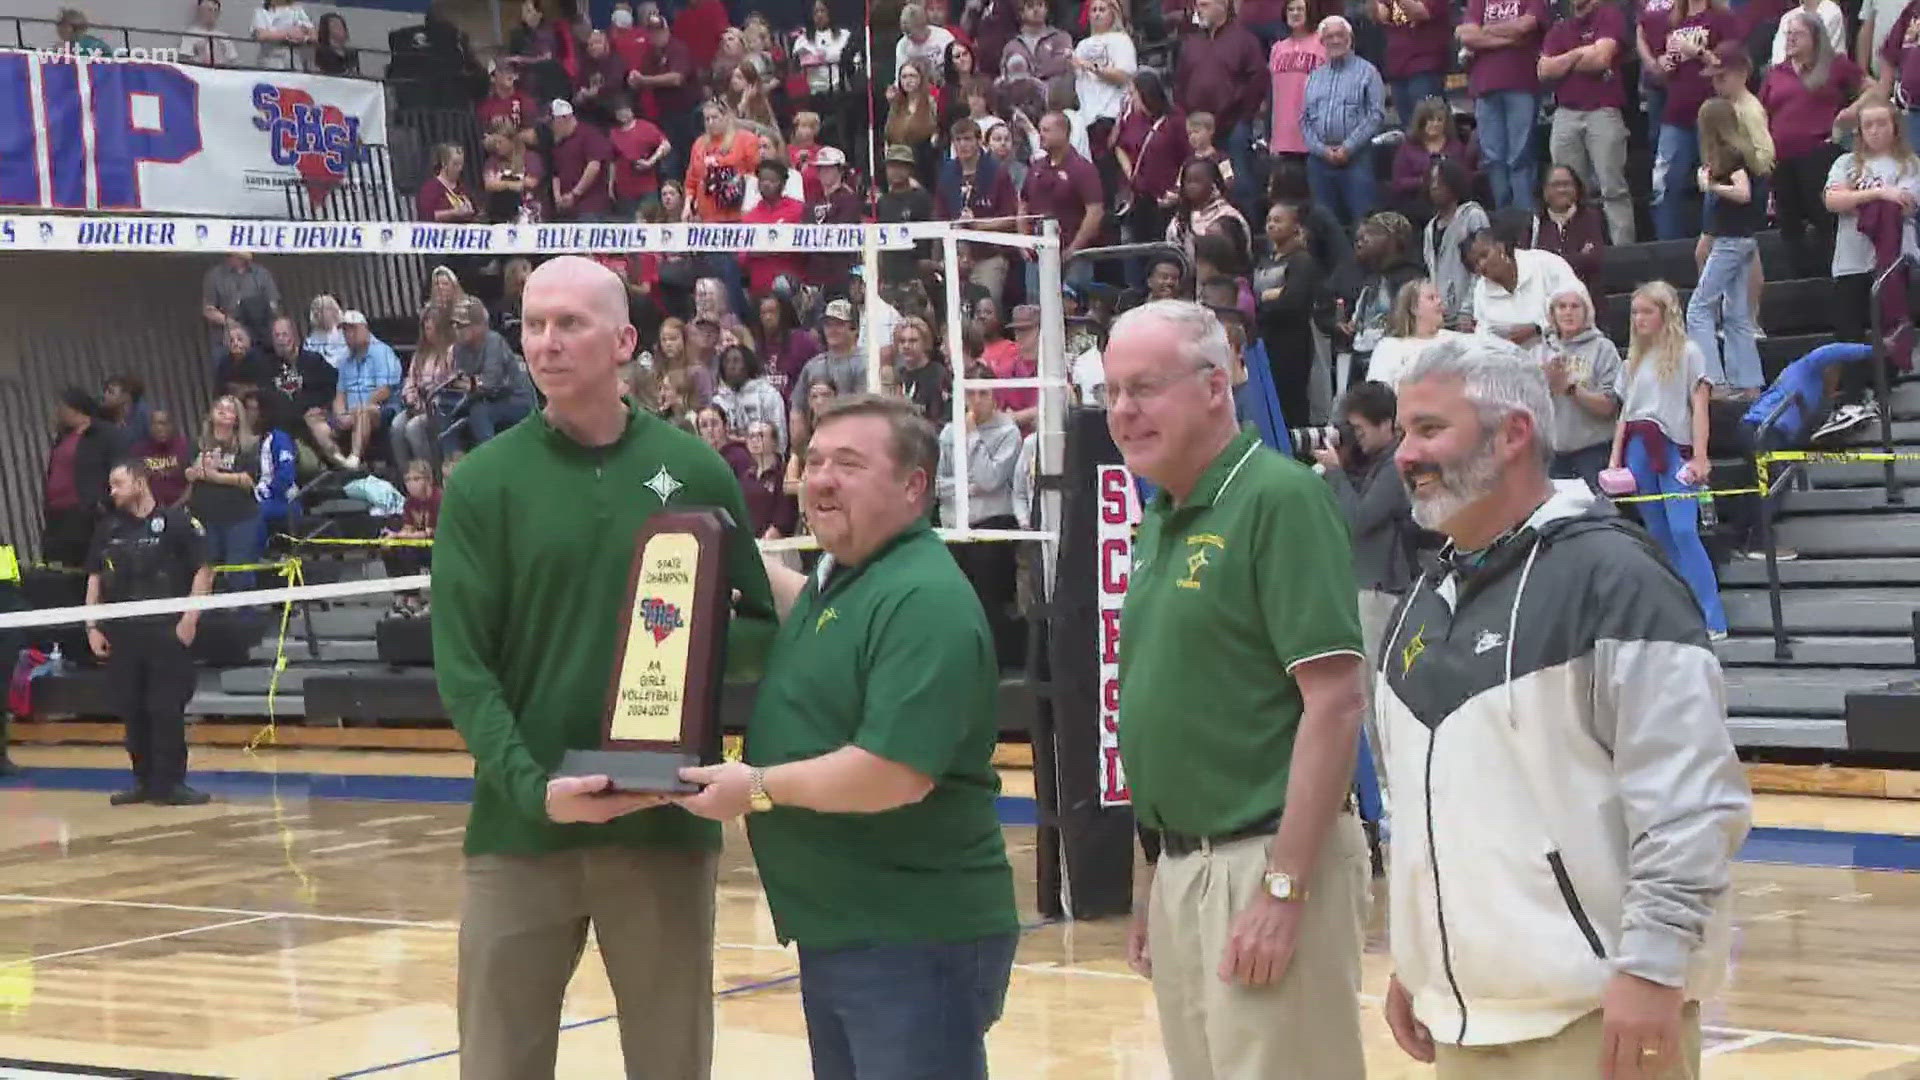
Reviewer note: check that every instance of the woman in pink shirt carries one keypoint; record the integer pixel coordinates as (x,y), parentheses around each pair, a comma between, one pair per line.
(1293,59)
(1804,96)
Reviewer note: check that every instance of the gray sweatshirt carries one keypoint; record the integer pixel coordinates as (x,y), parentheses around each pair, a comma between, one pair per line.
(1593,362)
(993,450)
(1381,521)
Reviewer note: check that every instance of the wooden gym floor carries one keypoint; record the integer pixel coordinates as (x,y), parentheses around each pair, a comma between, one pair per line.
(302,926)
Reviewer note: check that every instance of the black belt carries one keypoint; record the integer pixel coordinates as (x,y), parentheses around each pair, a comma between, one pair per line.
(1179,843)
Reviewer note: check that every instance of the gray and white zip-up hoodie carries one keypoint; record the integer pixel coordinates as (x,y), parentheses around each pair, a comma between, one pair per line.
(1567,802)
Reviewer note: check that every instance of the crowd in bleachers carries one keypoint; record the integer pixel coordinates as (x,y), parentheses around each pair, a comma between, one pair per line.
(1344,186)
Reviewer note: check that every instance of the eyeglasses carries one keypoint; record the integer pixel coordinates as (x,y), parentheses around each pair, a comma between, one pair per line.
(1141,391)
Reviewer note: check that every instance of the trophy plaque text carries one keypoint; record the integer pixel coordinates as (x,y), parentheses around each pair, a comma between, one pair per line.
(663,707)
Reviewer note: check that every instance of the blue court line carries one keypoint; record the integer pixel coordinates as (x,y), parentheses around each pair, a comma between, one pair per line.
(1797,847)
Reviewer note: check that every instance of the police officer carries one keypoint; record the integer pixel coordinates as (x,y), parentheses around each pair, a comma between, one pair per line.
(143,551)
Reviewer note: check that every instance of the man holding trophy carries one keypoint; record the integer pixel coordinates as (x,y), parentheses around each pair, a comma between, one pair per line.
(582,570)
(869,768)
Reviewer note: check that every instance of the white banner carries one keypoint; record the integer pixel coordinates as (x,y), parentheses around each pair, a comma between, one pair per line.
(28,232)
(138,135)
(1113,560)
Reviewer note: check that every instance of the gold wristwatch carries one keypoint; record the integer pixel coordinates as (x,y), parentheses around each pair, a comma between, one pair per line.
(1284,886)
(758,801)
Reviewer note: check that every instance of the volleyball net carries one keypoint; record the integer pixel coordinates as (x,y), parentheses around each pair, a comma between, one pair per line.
(897,274)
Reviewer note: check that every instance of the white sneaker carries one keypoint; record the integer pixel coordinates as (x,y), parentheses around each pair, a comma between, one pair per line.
(1716,635)
(1844,419)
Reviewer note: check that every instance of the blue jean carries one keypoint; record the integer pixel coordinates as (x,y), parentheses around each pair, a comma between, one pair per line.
(1409,92)
(488,417)
(1675,527)
(1239,148)
(1723,280)
(1505,118)
(1676,198)
(234,543)
(904,1012)
(1346,191)
(1075,273)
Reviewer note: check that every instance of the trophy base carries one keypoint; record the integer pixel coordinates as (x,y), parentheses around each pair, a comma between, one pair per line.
(654,772)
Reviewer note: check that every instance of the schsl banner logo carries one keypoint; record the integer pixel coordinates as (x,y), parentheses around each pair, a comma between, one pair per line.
(113,135)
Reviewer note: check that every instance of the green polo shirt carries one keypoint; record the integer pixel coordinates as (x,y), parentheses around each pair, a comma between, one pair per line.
(893,656)
(1229,590)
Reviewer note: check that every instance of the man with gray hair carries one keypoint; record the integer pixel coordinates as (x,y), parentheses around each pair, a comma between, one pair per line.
(1344,107)
(1552,712)
(1241,691)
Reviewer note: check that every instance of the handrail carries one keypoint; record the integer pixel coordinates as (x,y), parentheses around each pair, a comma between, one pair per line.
(1881,388)
(301,53)
(1782,650)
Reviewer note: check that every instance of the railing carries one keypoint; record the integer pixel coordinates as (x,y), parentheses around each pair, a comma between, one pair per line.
(1775,484)
(1880,380)
(141,42)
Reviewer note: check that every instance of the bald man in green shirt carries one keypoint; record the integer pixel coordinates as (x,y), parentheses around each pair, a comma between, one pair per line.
(535,538)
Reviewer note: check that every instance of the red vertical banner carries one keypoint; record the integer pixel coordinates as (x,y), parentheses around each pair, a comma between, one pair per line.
(1119,513)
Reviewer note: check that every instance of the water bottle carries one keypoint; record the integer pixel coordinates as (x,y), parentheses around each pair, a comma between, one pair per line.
(1708,519)
(56,663)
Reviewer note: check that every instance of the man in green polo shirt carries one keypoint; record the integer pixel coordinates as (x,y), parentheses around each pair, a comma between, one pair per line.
(869,758)
(1241,692)
(535,538)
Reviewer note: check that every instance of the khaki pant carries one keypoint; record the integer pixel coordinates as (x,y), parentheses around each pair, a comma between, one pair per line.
(523,926)
(1593,143)
(1376,622)
(1573,1054)
(1305,1026)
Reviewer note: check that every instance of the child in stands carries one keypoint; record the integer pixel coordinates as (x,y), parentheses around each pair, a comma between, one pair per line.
(1872,191)
(1736,186)
(1661,437)
(417,522)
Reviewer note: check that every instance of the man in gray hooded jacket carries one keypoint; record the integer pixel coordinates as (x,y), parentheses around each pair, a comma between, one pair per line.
(1555,728)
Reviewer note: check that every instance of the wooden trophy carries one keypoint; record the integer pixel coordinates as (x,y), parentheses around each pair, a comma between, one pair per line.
(663,708)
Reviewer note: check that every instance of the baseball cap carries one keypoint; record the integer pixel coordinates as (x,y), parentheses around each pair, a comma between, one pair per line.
(469,312)
(839,309)
(829,157)
(352,318)
(901,154)
(560,107)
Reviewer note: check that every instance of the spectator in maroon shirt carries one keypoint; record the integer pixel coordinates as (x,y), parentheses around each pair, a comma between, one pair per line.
(1222,70)
(711,422)
(580,156)
(788,345)
(443,196)
(1682,42)
(1419,49)
(638,148)
(164,452)
(838,204)
(1430,137)
(505,99)
(1151,145)
(1571,228)
(1803,97)
(1583,54)
(774,513)
(975,189)
(1063,186)
(670,76)
(1504,79)
(991,23)
(603,74)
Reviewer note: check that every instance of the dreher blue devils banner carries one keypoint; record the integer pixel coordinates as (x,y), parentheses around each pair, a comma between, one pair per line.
(48,232)
(141,136)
